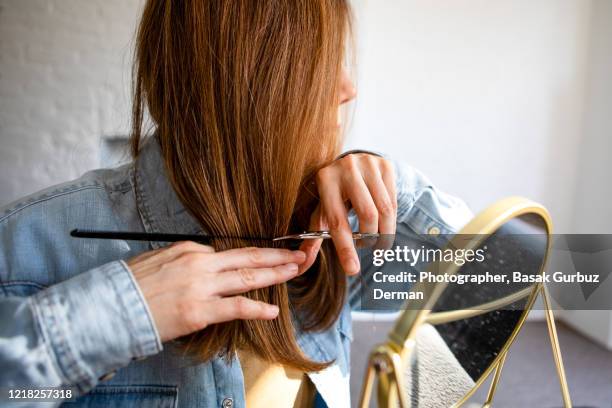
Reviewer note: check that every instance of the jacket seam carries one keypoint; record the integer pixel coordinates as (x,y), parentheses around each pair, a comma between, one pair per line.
(160,389)
(141,200)
(22,206)
(9,283)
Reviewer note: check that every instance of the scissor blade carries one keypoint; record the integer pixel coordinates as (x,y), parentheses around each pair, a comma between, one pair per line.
(323,235)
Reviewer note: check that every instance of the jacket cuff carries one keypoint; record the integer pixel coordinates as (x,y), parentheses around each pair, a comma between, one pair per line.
(95,323)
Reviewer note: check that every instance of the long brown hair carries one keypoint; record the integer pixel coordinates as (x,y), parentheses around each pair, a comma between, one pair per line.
(243,95)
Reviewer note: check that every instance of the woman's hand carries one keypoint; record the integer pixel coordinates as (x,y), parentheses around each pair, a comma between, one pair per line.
(189,286)
(367,184)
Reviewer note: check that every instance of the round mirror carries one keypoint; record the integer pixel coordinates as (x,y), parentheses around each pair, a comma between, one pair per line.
(455,337)
(493,312)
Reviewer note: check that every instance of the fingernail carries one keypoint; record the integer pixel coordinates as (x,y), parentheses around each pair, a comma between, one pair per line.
(300,255)
(291,267)
(273,310)
(353,266)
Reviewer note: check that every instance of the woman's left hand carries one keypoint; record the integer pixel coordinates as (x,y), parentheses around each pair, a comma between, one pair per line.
(361,181)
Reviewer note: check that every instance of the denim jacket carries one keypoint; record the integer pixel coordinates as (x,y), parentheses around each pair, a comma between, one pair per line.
(73,316)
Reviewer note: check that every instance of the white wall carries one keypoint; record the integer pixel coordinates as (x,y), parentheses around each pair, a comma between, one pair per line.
(486,97)
(64,83)
(593,209)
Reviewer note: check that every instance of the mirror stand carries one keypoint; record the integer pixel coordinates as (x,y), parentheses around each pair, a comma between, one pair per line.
(385,365)
(556,349)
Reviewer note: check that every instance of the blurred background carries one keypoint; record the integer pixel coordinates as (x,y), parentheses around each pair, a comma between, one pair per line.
(488,98)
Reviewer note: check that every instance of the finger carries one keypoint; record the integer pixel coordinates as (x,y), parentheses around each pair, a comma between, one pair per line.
(254,258)
(240,307)
(382,201)
(311,247)
(357,192)
(335,213)
(246,279)
(388,176)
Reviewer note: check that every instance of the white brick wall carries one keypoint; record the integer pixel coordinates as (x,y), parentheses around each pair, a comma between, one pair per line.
(64,84)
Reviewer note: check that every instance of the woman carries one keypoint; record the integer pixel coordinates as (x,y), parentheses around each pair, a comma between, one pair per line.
(243,98)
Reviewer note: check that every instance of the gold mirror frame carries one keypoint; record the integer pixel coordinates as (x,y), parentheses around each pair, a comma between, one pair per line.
(386,360)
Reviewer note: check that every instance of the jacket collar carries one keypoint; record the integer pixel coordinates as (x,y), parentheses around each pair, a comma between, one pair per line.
(159,207)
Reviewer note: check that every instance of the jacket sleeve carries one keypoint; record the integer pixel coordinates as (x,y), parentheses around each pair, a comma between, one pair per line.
(425,216)
(75,333)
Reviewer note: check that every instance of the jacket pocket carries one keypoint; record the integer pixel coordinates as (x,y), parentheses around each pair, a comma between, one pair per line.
(123,396)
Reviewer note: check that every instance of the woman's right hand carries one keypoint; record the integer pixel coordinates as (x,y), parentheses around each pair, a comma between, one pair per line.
(189,286)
